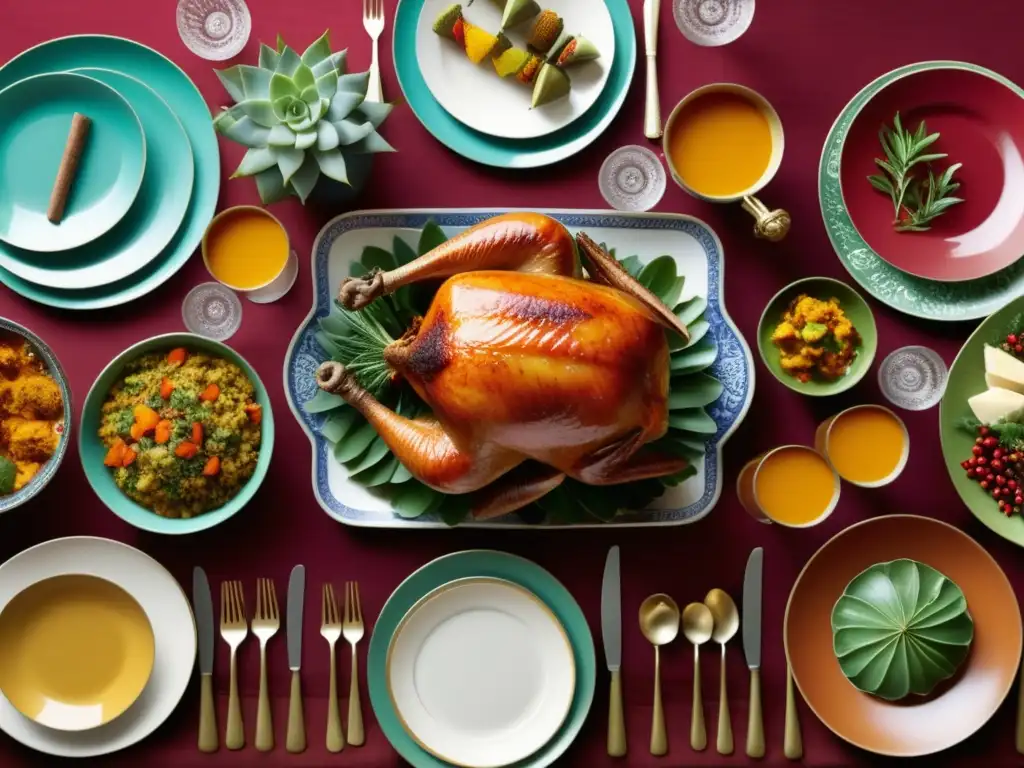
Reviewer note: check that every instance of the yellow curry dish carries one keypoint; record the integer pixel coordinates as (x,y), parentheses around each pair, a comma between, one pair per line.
(815,339)
(182,432)
(31,414)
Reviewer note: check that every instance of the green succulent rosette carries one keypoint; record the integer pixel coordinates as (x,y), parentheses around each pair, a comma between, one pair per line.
(901,627)
(357,339)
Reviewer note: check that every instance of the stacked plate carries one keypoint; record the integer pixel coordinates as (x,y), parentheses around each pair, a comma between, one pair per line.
(481,659)
(470,109)
(967,264)
(146,184)
(97,646)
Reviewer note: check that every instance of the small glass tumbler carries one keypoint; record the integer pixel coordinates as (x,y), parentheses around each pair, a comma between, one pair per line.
(212,310)
(713,22)
(913,378)
(214,29)
(632,178)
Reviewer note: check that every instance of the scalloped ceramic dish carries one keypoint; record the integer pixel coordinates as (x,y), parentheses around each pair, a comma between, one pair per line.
(958,707)
(698,254)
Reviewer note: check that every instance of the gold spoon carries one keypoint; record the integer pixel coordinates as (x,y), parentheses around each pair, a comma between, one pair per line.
(659,622)
(727,622)
(697,625)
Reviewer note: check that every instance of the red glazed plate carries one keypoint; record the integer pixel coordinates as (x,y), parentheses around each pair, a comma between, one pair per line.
(981,124)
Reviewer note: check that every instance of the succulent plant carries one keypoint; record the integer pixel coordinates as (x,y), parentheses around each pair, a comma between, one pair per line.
(302,118)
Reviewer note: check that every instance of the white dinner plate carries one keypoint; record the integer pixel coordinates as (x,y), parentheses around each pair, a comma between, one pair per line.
(167,609)
(474,94)
(481,673)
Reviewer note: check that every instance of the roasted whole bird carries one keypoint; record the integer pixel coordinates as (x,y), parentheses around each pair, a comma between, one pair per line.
(532,373)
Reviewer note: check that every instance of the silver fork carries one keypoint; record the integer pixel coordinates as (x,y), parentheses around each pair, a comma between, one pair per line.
(352,631)
(265,624)
(233,628)
(330,628)
(373,23)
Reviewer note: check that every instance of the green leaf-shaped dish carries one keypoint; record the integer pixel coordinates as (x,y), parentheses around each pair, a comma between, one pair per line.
(901,627)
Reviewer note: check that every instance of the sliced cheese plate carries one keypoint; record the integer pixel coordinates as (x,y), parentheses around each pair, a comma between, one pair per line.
(697,254)
(986,384)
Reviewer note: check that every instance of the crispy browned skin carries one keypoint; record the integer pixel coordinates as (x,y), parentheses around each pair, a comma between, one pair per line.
(520,360)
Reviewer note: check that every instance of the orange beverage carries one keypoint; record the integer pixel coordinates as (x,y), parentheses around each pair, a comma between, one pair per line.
(868,445)
(247,249)
(792,485)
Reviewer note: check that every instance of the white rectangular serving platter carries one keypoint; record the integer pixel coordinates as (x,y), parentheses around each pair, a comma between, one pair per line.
(699,256)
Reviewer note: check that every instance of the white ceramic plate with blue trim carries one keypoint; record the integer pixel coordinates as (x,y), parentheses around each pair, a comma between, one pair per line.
(698,254)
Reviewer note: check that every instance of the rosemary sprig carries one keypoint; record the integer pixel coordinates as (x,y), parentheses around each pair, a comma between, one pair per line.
(916,200)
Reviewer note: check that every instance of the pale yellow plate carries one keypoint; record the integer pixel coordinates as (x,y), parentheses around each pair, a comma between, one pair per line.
(75,651)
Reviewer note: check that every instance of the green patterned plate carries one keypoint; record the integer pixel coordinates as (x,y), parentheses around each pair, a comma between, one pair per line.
(498,565)
(929,299)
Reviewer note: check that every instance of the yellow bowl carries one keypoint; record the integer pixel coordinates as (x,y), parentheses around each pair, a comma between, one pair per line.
(75,651)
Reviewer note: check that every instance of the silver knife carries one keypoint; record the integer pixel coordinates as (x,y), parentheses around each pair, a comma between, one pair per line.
(652,105)
(295,740)
(611,631)
(752,583)
(202,606)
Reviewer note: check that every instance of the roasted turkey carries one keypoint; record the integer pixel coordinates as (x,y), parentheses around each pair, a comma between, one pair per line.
(532,374)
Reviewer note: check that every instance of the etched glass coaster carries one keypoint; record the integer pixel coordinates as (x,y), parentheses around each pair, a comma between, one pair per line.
(213,311)
(632,178)
(913,378)
(214,29)
(712,22)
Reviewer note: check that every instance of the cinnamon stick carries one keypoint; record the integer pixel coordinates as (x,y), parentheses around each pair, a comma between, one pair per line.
(68,167)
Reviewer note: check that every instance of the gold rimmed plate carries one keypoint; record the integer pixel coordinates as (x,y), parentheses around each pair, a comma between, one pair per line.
(75,651)
(481,673)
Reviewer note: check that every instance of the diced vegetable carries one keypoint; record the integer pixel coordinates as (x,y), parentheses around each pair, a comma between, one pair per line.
(197,433)
(255,412)
(186,450)
(146,418)
(211,393)
(130,455)
(115,454)
(177,356)
(166,388)
(137,431)
(212,466)
(163,432)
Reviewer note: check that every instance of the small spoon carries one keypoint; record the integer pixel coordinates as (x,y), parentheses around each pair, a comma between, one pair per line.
(659,622)
(697,626)
(727,623)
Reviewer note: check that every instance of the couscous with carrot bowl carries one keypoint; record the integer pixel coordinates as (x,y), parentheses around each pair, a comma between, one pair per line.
(181,431)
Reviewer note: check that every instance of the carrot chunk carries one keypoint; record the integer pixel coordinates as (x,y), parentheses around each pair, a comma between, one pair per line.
(212,466)
(211,393)
(166,388)
(137,432)
(197,433)
(177,356)
(186,450)
(115,454)
(130,455)
(163,432)
(146,418)
(255,412)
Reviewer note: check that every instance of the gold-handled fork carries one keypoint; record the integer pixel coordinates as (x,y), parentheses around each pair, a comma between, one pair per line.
(265,624)
(373,23)
(330,628)
(233,628)
(352,631)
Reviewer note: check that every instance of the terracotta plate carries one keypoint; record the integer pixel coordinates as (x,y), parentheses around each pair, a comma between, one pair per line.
(917,725)
(981,124)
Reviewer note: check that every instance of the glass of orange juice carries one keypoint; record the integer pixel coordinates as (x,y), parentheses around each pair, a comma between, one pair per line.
(792,485)
(867,445)
(247,249)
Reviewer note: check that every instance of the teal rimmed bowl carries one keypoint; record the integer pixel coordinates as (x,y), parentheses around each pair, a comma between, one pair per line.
(92,450)
(855,307)
(53,368)
(499,565)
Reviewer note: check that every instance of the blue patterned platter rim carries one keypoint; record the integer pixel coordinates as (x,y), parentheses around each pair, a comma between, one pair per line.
(53,367)
(734,365)
(916,296)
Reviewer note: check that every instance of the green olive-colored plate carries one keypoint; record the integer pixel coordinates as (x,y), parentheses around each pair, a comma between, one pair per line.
(851,302)
(38,112)
(498,565)
(967,378)
(929,299)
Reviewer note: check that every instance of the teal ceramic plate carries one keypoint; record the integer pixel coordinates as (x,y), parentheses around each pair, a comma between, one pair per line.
(966,379)
(855,308)
(498,565)
(181,95)
(513,153)
(929,299)
(151,222)
(91,449)
(38,112)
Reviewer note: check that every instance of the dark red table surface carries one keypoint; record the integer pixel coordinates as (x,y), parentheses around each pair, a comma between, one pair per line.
(808,59)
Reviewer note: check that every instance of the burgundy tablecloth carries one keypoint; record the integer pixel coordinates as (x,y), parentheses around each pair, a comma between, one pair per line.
(808,58)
